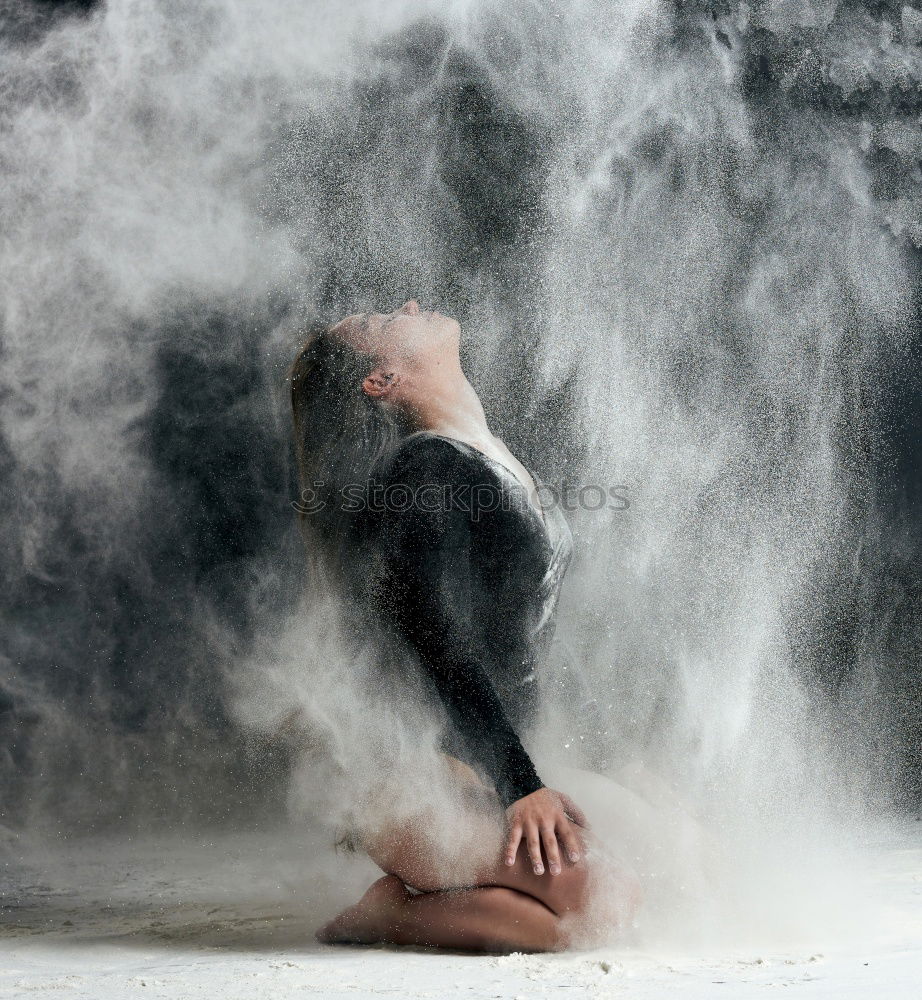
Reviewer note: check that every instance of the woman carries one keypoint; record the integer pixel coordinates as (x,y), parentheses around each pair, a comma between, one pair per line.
(458,566)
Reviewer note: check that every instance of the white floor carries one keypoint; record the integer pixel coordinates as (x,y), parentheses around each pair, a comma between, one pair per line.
(231,916)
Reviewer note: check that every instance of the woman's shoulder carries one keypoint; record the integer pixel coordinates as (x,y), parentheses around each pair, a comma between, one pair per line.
(429,456)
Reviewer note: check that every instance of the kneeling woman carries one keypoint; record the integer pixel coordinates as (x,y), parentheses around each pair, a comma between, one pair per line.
(462,573)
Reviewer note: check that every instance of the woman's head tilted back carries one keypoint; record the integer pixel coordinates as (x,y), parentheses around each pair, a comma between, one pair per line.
(339,433)
(353,387)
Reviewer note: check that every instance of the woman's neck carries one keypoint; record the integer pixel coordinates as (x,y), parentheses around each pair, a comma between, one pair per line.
(449,406)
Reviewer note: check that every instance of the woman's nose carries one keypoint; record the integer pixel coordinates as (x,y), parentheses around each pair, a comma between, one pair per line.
(411,307)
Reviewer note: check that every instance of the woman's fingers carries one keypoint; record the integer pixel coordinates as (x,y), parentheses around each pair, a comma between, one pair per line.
(574,812)
(534,848)
(549,838)
(570,841)
(546,821)
(512,842)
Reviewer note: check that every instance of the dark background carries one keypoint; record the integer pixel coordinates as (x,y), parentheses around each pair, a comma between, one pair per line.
(124,712)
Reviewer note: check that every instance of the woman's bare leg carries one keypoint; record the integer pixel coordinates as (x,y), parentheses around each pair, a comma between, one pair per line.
(647,823)
(494,908)
(489,919)
(469,898)
(407,852)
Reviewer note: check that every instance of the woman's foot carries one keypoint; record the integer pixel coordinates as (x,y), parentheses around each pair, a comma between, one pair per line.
(366,921)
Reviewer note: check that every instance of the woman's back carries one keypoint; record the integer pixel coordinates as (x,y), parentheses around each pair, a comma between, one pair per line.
(466,571)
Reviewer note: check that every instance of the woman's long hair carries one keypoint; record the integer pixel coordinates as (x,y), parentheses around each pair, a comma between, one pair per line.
(340,434)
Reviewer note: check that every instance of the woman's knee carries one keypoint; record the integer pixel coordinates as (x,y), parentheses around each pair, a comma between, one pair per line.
(611,901)
(598,890)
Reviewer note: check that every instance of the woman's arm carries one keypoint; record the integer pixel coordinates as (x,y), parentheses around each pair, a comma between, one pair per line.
(427,594)
(428,598)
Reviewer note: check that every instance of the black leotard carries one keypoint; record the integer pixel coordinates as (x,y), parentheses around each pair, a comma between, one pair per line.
(473,592)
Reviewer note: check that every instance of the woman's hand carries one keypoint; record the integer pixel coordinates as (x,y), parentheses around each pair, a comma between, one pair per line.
(544,817)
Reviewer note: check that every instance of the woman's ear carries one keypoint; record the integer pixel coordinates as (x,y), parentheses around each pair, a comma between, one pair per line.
(379,383)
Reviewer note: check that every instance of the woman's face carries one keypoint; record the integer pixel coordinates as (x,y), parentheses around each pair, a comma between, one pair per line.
(406,334)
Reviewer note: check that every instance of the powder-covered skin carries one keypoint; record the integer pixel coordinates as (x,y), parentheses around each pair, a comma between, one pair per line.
(468,577)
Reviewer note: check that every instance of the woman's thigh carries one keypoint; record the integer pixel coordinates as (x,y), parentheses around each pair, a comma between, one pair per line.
(645,825)
(418,851)
(447,841)
(618,815)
